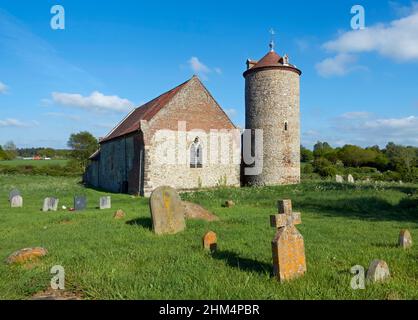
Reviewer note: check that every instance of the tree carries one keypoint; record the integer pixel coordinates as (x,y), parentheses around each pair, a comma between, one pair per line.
(3,154)
(306,155)
(10,150)
(354,156)
(402,159)
(83,144)
(321,149)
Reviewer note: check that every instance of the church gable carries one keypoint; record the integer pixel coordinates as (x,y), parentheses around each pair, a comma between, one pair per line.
(194,106)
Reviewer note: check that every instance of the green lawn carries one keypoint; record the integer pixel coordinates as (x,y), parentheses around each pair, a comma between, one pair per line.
(343,225)
(35,163)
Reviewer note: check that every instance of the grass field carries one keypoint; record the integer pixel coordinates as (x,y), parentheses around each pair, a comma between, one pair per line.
(35,163)
(343,226)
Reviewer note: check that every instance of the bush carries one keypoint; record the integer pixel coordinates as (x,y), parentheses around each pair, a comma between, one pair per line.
(327,172)
(307,169)
(50,170)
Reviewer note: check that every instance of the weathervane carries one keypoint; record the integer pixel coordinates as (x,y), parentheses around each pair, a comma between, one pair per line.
(272,33)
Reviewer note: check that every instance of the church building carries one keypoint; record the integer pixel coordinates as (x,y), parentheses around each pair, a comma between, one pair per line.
(185,140)
(182,138)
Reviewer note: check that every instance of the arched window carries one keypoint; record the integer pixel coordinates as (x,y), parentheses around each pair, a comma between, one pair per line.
(196,154)
(286,126)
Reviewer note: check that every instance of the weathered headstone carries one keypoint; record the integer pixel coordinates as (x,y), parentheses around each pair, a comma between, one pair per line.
(13,193)
(210,241)
(50,204)
(229,204)
(119,214)
(287,246)
(16,202)
(167,211)
(350,179)
(405,239)
(378,271)
(26,254)
(195,211)
(80,203)
(339,179)
(105,203)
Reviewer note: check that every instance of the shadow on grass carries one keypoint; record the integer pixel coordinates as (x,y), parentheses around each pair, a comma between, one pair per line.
(235,261)
(366,208)
(145,223)
(385,245)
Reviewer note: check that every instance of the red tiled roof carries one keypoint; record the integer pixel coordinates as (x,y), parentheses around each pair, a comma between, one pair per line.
(271,60)
(146,112)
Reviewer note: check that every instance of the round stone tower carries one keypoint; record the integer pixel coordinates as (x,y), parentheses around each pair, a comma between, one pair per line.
(272,104)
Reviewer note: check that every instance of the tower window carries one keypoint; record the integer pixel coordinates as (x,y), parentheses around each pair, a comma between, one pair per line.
(286,126)
(196,154)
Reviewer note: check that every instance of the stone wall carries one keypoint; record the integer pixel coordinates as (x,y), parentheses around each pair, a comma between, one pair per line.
(272,100)
(168,137)
(119,165)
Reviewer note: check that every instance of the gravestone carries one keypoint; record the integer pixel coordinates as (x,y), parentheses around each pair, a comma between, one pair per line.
(405,239)
(13,193)
(229,204)
(80,203)
(105,203)
(210,241)
(50,204)
(288,247)
(119,214)
(378,271)
(167,211)
(339,179)
(27,254)
(350,179)
(16,202)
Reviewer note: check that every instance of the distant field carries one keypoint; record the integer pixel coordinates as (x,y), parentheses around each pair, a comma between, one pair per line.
(35,163)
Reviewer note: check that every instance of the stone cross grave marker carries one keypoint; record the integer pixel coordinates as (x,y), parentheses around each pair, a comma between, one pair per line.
(167,211)
(350,178)
(80,203)
(13,193)
(339,179)
(405,239)
(50,204)
(287,246)
(105,203)
(16,202)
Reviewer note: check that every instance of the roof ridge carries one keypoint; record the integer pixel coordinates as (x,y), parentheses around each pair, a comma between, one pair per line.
(147,111)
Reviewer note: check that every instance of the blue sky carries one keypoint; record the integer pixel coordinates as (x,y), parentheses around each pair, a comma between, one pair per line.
(358,86)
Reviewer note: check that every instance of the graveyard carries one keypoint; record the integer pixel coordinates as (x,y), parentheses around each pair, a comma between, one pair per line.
(342,224)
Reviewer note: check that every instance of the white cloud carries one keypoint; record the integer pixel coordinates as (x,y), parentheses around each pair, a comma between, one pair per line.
(356,115)
(201,69)
(397,40)
(231,112)
(17,123)
(364,129)
(340,65)
(409,124)
(402,10)
(3,88)
(377,130)
(97,101)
